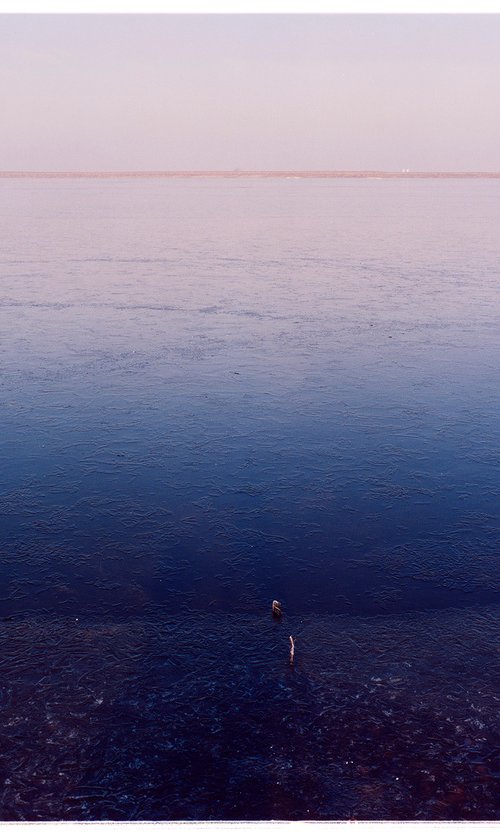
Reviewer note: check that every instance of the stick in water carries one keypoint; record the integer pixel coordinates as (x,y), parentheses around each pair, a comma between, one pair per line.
(292,649)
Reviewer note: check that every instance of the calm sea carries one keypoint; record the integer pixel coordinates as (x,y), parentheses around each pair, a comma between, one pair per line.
(216,393)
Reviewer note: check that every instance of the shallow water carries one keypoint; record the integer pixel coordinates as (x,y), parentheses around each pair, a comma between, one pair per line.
(215,393)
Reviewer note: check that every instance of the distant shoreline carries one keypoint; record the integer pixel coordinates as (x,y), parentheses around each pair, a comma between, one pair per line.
(235,174)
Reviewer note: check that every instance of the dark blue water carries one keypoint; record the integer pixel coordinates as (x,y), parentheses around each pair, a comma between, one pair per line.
(213,394)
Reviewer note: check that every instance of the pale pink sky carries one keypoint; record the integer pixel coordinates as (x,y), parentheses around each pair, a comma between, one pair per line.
(250,91)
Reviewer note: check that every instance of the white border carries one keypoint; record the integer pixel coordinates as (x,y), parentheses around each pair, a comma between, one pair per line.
(275,828)
(250,6)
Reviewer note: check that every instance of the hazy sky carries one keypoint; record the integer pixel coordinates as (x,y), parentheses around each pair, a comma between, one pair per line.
(250,91)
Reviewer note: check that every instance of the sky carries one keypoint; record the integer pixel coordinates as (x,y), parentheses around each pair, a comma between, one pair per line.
(290,91)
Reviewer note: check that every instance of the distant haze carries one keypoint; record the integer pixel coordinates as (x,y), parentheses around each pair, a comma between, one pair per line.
(118,92)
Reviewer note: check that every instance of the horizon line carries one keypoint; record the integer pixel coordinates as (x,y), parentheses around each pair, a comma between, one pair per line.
(262,173)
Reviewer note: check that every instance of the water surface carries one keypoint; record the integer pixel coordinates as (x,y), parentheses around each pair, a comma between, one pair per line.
(215,393)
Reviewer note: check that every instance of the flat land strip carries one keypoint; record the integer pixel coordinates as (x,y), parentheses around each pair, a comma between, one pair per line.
(382,175)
